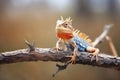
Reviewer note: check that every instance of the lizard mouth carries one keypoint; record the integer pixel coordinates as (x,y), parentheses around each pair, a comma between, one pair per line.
(71,28)
(64,30)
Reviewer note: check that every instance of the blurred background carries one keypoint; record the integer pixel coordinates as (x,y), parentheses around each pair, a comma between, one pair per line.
(36,20)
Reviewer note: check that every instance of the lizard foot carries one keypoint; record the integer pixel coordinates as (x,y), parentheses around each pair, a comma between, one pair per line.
(94,55)
(73,59)
(57,49)
(54,49)
(94,52)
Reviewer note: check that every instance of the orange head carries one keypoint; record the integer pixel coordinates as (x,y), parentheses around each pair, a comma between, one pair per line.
(64,29)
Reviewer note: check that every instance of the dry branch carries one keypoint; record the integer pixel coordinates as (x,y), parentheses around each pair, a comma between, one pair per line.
(47,54)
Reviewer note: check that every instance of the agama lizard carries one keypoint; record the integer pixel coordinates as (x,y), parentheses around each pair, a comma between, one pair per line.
(73,39)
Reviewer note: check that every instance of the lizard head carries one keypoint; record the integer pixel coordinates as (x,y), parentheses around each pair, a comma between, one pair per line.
(64,24)
(64,29)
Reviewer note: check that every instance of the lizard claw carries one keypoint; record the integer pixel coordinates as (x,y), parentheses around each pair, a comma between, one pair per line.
(57,49)
(73,59)
(94,52)
(94,55)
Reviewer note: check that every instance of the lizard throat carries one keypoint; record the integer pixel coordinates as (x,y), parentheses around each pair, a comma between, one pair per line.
(65,36)
(64,33)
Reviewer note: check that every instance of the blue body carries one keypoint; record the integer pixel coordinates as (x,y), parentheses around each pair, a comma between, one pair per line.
(81,43)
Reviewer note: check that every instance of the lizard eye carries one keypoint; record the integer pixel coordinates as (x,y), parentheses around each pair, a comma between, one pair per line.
(66,24)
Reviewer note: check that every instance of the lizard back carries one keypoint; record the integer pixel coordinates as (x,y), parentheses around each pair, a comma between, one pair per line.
(81,40)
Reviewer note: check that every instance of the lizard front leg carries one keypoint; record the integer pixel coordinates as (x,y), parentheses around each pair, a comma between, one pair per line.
(58,44)
(73,57)
(94,52)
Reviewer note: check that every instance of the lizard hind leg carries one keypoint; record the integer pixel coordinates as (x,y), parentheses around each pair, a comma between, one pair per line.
(94,52)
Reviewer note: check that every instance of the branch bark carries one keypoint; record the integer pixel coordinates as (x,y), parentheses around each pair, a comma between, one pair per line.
(46,54)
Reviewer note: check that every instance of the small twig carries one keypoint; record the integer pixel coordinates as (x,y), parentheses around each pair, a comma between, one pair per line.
(31,46)
(112,47)
(61,67)
(103,34)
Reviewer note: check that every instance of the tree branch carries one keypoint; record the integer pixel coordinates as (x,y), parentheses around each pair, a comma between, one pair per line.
(48,54)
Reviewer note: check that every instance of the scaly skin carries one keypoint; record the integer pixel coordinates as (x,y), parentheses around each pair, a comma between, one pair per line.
(73,39)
